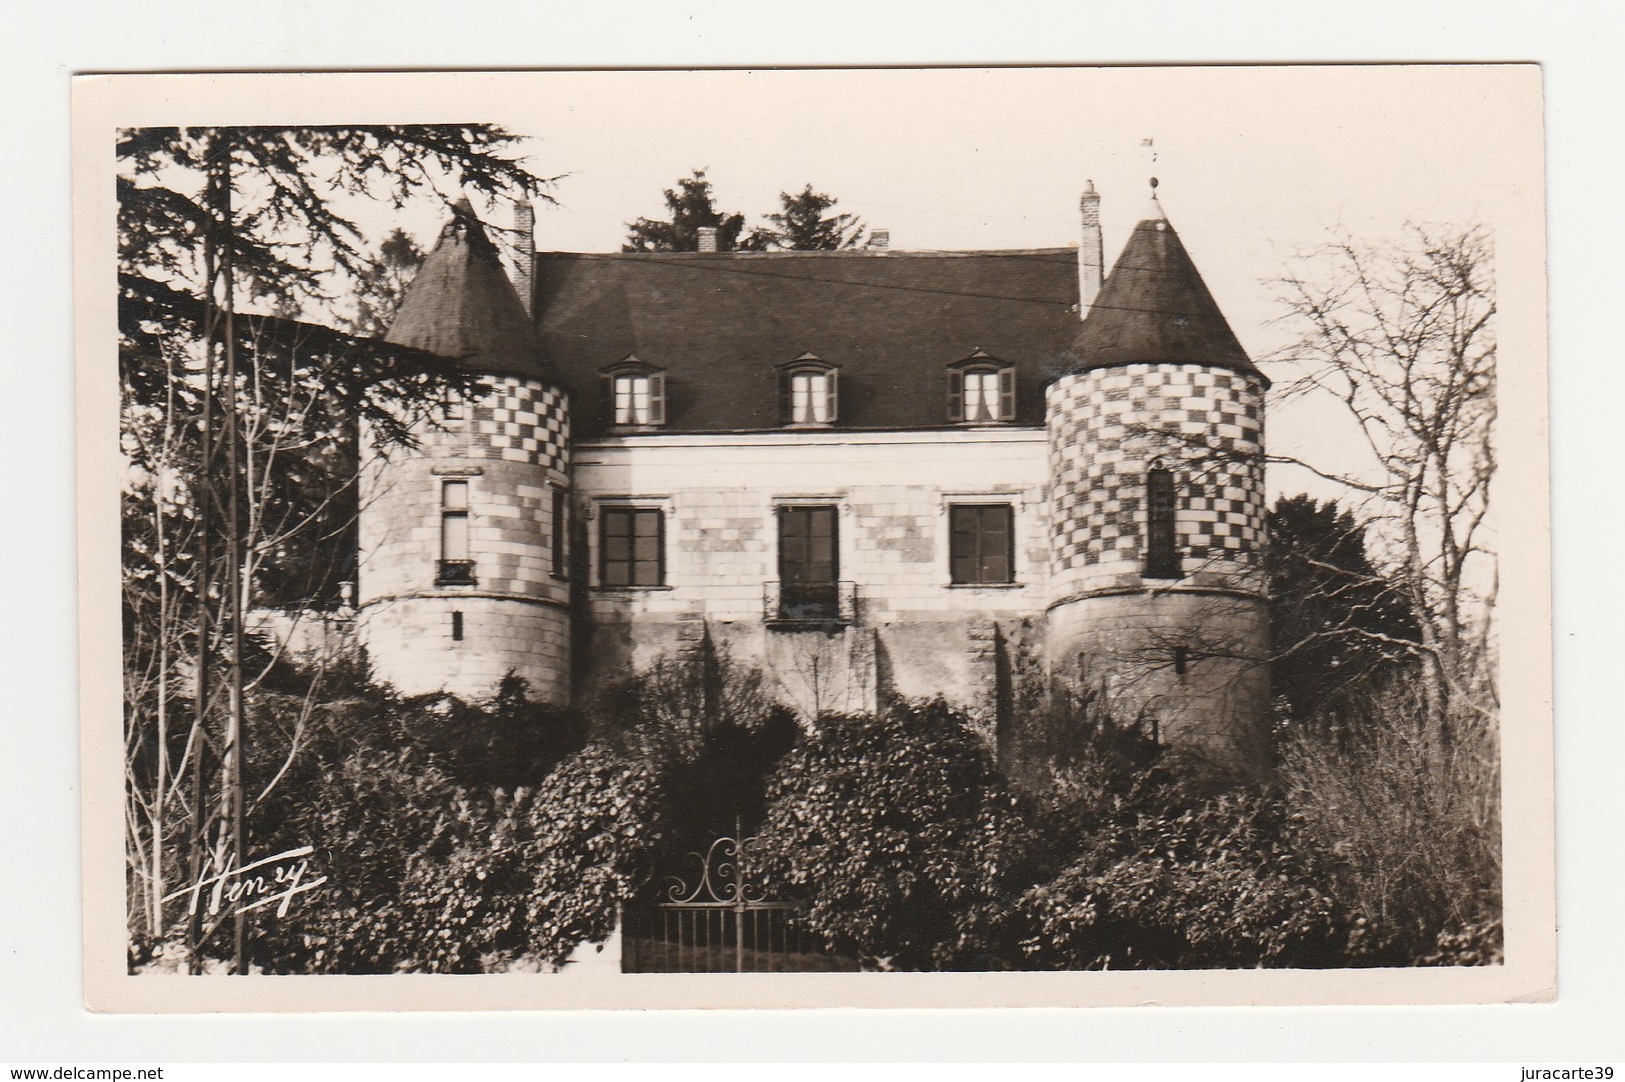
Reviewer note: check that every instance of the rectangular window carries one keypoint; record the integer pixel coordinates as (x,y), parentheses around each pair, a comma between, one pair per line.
(1161,540)
(640,399)
(457,627)
(981,545)
(456,564)
(561,530)
(981,396)
(809,563)
(808,396)
(632,547)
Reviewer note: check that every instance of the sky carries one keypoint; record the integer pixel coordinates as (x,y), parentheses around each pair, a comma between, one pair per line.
(1256,165)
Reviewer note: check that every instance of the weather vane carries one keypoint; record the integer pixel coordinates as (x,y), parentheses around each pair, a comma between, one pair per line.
(1150,145)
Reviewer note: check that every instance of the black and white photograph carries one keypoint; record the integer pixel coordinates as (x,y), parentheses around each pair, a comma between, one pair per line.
(1007,536)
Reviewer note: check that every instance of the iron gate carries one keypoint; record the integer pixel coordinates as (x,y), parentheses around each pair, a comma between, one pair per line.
(721,921)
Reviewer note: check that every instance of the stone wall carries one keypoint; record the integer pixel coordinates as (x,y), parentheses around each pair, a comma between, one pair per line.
(1189,652)
(1191,663)
(510,446)
(409,644)
(915,633)
(1109,426)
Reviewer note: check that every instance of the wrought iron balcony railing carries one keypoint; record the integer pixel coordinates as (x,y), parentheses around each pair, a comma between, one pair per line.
(455,573)
(794,605)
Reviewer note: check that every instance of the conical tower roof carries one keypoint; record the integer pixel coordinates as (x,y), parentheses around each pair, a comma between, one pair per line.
(462,306)
(1155,308)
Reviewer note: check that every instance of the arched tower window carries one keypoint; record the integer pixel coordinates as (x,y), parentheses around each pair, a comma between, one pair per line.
(981,389)
(1161,541)
(807,392)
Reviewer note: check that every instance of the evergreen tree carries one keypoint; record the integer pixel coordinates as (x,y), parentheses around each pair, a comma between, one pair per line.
(1338,626)
(383,284)
(692,206)
(803,224)
(239,433)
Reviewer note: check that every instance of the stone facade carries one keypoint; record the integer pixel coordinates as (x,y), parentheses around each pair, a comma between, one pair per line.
(1188,651)
(510,447)
(912,631)
(1109,427)
(951,557)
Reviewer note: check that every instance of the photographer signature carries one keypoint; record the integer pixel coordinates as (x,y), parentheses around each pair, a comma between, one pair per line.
(273,880)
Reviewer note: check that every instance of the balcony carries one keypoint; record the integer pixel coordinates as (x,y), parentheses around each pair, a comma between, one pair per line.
(809,606)
(455,573)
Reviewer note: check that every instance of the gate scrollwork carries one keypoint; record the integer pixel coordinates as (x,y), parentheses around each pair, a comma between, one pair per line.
(720,876)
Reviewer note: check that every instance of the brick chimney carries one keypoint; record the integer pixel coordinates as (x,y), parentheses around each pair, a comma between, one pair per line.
(708,238)
(880,239)
(524,228)
(1091,254)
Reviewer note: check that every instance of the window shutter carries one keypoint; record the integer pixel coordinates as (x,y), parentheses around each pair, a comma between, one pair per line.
(998,544)
(956,396)
(832,398)
(657,398)
(606,402)
(961,545)
(660,545)
(785,415)
(1007,394)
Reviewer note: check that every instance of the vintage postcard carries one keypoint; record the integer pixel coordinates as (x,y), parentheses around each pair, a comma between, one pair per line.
(908,537)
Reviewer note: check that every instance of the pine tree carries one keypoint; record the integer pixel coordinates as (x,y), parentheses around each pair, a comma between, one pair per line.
(692,206)
(238,429)
(383,285)
(803,225)
(1338,627)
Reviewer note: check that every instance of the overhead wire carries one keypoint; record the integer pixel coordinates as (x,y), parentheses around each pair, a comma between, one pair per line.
(719,267)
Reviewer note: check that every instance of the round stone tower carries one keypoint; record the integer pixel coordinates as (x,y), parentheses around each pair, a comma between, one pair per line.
(463,577)
(1157,512)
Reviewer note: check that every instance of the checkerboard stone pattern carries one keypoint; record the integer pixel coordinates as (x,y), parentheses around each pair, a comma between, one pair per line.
(515,420)
(510,445)
(1109,426)
(1189,652)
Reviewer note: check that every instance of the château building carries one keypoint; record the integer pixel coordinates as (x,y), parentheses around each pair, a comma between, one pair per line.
(870,473)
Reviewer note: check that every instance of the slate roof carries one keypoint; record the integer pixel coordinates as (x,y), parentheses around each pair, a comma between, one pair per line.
(462,306)
(1154,306)
(719,324)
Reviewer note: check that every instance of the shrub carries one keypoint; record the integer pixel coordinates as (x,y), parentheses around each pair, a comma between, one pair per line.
(1210,887)
(454,837)
(597,824)
(407,805)
(369,815)
(901,835)
(427,876)
(1404,813)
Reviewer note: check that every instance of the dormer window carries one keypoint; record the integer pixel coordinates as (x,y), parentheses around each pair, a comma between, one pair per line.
(981,390)
(807,392)
(635,393)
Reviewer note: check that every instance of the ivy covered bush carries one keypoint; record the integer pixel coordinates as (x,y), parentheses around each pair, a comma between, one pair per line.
(472,837)
(900,834)
(469,837)
(598,822)
(1215,886)
(456,837)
